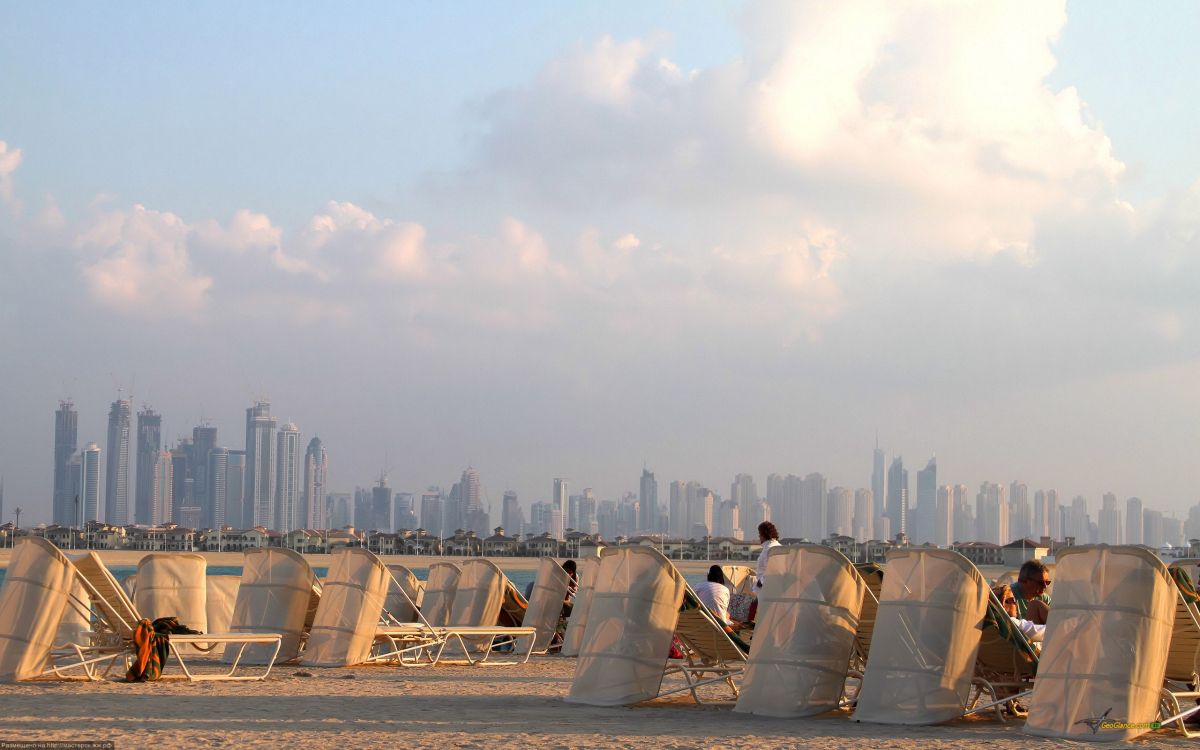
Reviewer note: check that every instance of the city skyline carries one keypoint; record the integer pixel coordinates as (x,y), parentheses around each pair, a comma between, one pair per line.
(811,506)
(565,241)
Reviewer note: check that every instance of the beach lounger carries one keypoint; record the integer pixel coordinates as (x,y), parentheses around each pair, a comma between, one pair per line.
(479,623)
(1104,656)
(405,593)
(440,587)
(33,600)
(577,622)
(739,579)
(348,616)
(925,639)
(278,593)
(808,616)
(1005,665)
(872,574)
(639,602)
(173,584)
(631,620)
(487,616)
(221,597)
(550,589)
(118,618)
(711,653)
(1182,677)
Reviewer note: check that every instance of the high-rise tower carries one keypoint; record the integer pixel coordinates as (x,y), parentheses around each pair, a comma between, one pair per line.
(558,508)
(878,493)
(204,439)
(66,439)
(288,513)
(149,446)
(648,503)
(260,463)
(116,470)
(89,502)
(897,497)
(925,515)
(316,470)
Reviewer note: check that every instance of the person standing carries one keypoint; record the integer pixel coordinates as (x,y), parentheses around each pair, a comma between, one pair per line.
(768,536)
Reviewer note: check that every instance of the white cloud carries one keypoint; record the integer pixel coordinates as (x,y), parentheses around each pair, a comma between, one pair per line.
(10,159)
(346,240)
(137,261)
(247,233)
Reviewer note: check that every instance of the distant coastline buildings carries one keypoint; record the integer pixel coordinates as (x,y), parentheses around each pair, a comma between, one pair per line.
(271,484)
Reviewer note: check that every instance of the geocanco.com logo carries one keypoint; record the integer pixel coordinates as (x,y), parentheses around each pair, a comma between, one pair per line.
(1096,723)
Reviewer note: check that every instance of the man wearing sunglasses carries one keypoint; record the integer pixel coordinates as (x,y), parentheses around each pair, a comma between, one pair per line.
(1033,581)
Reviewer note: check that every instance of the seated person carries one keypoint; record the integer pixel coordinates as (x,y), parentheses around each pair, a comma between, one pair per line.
(715,595)
(1033,632)
(572,586)
(1033,603)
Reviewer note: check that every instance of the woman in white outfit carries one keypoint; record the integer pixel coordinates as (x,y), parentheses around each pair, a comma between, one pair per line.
(715,594)
(768,536)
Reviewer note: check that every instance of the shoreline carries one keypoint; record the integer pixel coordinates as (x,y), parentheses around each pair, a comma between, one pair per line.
(130,558)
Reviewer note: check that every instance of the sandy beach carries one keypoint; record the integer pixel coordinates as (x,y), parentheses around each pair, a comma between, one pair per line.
(443,706)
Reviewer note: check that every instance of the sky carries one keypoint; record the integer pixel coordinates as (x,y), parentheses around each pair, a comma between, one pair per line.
(552,240)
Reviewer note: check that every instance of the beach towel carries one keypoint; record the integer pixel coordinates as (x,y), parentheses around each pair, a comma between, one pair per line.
(150,653)
(152,645)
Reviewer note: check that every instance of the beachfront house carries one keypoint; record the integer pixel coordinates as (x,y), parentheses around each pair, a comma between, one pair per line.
(501,545)
(980,553)
(542,545)
(1016,552)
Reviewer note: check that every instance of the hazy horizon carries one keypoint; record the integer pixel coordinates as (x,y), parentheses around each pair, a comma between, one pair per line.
(551,241)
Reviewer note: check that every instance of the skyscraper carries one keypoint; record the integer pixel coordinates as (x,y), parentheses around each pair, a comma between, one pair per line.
(678,520)
(432,511)
(288,512)
(116,474)
(839,512)
(161,485)
(511,517)
(1134,519)
(218,486)
(381,506)
(878,492)
(475,516)
(149,446)
(897,497)
(1110,520)
(89,502)
(1020,514)
(339,509)
(964,516)
(587,513)
(559,502)
(204,439)
(183,502)
(66,440)
(814,504)
(260,463)
(404,514)
(991,514)
(648,502)
(862,527)
(316,469)
(925,516)
(238,511)
(943,533)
